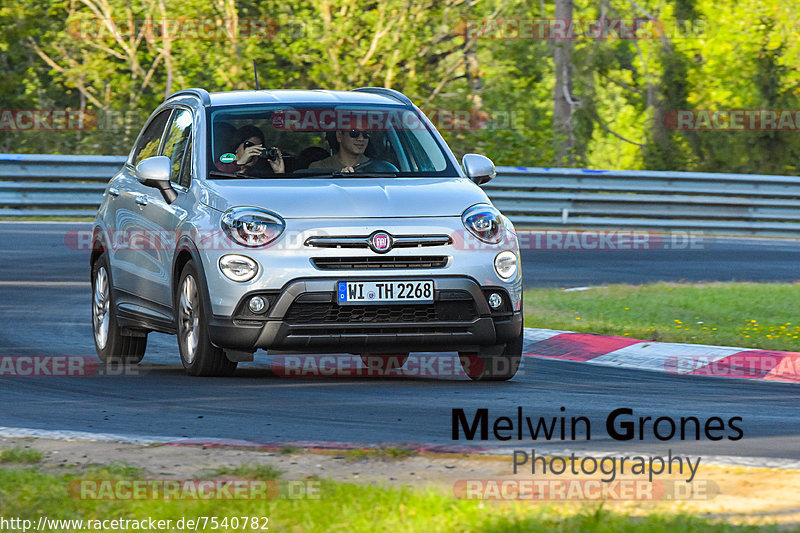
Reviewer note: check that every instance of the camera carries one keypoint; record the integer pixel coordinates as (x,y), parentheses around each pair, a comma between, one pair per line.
(270,154)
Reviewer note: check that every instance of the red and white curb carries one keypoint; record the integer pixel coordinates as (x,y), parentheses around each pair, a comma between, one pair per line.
(676,359)
(668,357)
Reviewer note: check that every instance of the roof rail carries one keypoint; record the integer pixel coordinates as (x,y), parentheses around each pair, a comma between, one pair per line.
(391,93)
(205,98)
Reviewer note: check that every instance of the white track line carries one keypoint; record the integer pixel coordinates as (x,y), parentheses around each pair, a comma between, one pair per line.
(44,283)
(12,432)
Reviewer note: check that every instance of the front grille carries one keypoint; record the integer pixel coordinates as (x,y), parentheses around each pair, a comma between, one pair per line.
(332,313)
(379,262)
(362,241)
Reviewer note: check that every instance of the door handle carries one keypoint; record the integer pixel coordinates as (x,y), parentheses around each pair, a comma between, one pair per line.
(141,200)
(113,191)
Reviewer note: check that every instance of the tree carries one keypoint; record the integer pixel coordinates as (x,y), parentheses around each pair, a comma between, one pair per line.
(564,102)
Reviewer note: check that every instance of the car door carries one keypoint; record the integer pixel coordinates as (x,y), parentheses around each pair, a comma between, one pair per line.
(123,217)
(158,221)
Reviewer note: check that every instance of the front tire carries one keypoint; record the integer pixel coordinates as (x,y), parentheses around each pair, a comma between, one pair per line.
(496,363)
(198,355)
(112,346)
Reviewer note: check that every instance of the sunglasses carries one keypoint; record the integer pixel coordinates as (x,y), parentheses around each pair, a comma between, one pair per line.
(248,144)
(354,134)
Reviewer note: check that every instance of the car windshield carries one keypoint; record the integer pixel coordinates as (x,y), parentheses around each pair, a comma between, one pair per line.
(267,141)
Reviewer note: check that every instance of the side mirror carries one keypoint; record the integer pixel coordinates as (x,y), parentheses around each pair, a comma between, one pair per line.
(478,168)
(154,172)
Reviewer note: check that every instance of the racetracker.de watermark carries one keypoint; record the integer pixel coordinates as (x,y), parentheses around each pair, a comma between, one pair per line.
(145,240)
(755,364)
(72,366)
(22,120)
(632,489)
(330,120)
(193,489)
(434,366)
(557,29)
(621,240)
(184,28)
(475,119)
(733,119)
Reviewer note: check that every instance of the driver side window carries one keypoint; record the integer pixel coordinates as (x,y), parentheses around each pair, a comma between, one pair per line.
(176,142)
(150,140)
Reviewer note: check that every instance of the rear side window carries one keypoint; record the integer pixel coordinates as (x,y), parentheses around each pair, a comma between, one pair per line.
(150,139)
(178,135)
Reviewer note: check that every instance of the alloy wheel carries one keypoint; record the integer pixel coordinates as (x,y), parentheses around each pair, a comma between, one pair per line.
(189,318)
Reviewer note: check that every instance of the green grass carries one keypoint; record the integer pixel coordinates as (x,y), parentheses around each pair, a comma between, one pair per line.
(378,453)
(247,472)
(752,315)
(20,455)
(289,450)
(28,493)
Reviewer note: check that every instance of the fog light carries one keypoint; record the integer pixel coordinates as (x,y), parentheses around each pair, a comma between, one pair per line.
(495,301)
(505,264)
(238,267)
(257,304)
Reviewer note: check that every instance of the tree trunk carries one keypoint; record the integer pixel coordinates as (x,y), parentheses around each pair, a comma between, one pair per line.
(473,75)
(563,103)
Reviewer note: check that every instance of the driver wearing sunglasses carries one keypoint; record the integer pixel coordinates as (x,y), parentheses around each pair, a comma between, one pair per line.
(349,146)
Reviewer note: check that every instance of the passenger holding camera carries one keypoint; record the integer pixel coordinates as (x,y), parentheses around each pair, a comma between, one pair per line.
(249,150)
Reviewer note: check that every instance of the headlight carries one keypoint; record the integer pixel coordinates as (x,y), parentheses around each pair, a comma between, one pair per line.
(505,264)
(238,267)
(252,227)
(485,222)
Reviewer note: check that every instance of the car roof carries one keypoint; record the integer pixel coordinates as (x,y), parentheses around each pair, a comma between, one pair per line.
(293,96)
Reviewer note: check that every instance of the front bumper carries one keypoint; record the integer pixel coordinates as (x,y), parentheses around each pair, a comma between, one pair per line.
(305,316)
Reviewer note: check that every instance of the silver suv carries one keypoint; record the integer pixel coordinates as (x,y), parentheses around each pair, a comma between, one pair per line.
(303,221)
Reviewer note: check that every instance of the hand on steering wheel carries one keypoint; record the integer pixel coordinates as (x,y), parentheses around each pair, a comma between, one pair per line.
(359,166)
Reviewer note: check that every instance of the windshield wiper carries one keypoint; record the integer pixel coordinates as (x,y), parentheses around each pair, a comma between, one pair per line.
(339,174)
(220,174)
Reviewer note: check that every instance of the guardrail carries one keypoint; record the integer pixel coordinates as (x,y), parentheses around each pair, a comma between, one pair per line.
(54,185)
(708,202)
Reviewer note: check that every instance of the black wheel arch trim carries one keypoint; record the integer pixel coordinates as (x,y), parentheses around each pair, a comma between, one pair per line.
(186,244)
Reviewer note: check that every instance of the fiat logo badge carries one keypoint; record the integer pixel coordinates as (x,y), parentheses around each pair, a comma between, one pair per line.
(380,242)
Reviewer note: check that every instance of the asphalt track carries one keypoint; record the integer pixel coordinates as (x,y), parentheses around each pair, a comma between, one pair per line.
(44,310)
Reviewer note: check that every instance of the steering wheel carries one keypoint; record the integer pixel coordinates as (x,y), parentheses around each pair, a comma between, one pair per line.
(375,165)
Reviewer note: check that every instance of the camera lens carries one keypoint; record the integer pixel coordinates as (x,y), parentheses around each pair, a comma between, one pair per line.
(270,153)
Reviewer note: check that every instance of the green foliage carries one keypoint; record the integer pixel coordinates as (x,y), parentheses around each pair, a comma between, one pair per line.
(118,59)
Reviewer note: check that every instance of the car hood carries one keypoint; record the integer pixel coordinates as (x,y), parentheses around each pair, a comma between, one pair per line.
(347,197)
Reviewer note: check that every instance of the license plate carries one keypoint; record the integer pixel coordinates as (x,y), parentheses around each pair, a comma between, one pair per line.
(366,292)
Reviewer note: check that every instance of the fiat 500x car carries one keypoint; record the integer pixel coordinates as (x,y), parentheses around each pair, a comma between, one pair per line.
(313,221)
